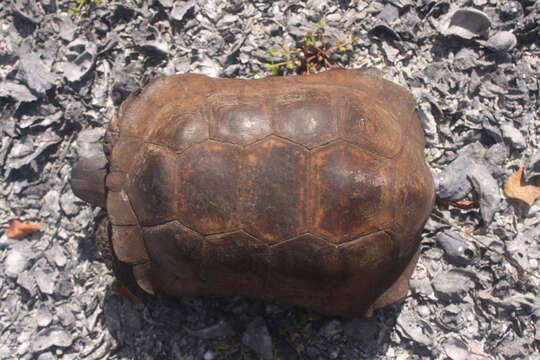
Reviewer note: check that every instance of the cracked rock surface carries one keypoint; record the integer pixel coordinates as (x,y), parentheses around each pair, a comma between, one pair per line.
(473,67)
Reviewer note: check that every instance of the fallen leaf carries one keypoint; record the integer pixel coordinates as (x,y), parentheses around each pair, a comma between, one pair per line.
(516,188)
(462,204)
(18,229)
(124,292)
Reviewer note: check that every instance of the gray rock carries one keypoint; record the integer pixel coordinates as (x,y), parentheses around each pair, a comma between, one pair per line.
(487,189)
(32,71)
(68,203)
(64,26)
(361,329)
(257,337)
(180,10)
(18,259)
(27,10)
(43,316)
(451,285)
(49,337)
(412,327)
(495,158)
(16,91)
(466,23)
(47,356)
(513,136)
(166,3)
(457,250)
(465,59)
(452,184)
(502,41)
(45,281)
(219,329)
(456,349)
(511,10)
(77,69)
(26,281)
(388,14)
(531,168)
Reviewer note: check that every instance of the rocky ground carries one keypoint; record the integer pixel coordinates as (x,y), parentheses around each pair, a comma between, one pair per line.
(473,67)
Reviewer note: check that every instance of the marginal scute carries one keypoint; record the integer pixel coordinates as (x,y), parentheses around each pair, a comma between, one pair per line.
(235,262)
(119,209)
(350,192)
(275,190)
(303,264)
(152,190)
(414,189)
(175,248)
(125,153)
(128,244)
(141,273)
(209,187)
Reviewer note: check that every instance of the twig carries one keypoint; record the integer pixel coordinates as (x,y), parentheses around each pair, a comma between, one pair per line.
(501,254)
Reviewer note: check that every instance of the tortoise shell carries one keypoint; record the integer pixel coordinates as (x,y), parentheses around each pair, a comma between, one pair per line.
(306,190)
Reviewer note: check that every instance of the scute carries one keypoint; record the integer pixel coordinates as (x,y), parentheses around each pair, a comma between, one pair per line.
(209,187)
(350,192)
(366,123)
(240,120)
(178,126)
(307,116)
(275,190)
(152,191)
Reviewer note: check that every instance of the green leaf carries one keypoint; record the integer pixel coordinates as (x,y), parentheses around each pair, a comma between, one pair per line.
(321,23)
(342,48)
(272,52)
(275,70)
(286,47)
(290,65)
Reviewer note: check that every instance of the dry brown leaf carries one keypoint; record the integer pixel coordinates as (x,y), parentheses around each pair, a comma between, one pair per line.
(18,229)
(515,188)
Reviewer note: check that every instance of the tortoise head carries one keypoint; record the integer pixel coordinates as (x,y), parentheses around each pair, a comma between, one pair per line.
(88,179)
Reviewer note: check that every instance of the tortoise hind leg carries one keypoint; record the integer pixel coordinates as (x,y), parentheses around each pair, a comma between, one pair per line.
(400,287)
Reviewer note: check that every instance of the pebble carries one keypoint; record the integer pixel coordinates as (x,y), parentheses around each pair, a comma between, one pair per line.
(43,316)
(531,169)
(49,337)
(457,250)
(456,349)
(17,259)
(219,329)
(451,285)
(361,329)
(502,41)
(466,23)
(258,338)
(513,136)
(487,190)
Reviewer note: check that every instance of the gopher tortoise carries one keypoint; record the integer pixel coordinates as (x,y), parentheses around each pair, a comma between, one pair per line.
(306,190)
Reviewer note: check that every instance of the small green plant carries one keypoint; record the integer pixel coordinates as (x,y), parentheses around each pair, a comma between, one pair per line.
(312,55)
(76,10)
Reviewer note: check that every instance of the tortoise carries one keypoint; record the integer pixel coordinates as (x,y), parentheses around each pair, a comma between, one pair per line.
(306,190)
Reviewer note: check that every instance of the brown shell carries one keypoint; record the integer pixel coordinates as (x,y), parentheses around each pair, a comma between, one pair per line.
(306,190)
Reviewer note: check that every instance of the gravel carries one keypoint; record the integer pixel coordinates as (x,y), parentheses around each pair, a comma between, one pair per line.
(473,69)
